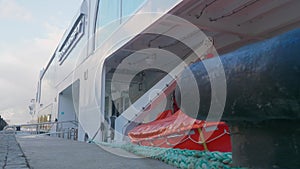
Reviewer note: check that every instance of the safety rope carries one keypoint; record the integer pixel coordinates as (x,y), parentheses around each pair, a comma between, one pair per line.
(184,159)
(165,139)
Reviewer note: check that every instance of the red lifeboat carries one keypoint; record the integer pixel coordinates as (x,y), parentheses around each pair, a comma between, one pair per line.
(180,131)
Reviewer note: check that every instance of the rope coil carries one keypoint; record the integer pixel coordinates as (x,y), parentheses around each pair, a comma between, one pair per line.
(184,159)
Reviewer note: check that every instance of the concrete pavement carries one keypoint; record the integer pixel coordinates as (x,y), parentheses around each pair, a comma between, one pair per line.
(11,155)
(44,152)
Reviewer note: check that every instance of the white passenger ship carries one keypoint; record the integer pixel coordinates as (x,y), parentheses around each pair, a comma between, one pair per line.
(76,83)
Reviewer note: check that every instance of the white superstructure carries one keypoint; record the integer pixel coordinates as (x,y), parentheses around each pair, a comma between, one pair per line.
(76,83)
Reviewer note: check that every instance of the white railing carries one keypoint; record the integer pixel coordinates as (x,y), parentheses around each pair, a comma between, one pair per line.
(63,129)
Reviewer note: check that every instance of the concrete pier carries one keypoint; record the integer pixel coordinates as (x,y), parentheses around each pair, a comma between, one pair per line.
(44,152)
(11,155)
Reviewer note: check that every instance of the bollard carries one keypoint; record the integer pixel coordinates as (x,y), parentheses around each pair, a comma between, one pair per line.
(262,102)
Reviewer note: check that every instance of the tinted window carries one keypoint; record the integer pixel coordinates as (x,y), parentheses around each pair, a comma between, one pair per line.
(109,15)
(107,19)
(131,6)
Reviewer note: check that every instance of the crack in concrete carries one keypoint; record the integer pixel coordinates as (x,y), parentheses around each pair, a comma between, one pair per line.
(13,155)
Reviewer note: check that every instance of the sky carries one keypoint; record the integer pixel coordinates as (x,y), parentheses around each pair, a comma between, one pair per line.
(30,32)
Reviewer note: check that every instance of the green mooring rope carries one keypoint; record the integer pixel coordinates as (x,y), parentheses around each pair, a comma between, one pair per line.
(184,159)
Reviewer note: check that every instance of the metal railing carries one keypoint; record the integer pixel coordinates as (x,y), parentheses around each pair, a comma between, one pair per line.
(62,129)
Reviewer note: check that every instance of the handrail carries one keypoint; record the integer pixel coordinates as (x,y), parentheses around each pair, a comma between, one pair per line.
(47,128)
(37,124)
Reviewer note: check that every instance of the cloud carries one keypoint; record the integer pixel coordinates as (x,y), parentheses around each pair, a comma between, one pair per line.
(10,9)
(20,65)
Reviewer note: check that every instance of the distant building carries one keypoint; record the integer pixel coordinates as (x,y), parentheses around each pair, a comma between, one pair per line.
(2,123)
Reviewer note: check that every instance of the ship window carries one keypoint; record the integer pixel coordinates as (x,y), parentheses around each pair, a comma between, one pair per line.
(129,8)
(107,19)
(38,92)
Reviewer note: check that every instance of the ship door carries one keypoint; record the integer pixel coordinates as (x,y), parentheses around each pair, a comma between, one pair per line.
(68,106)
